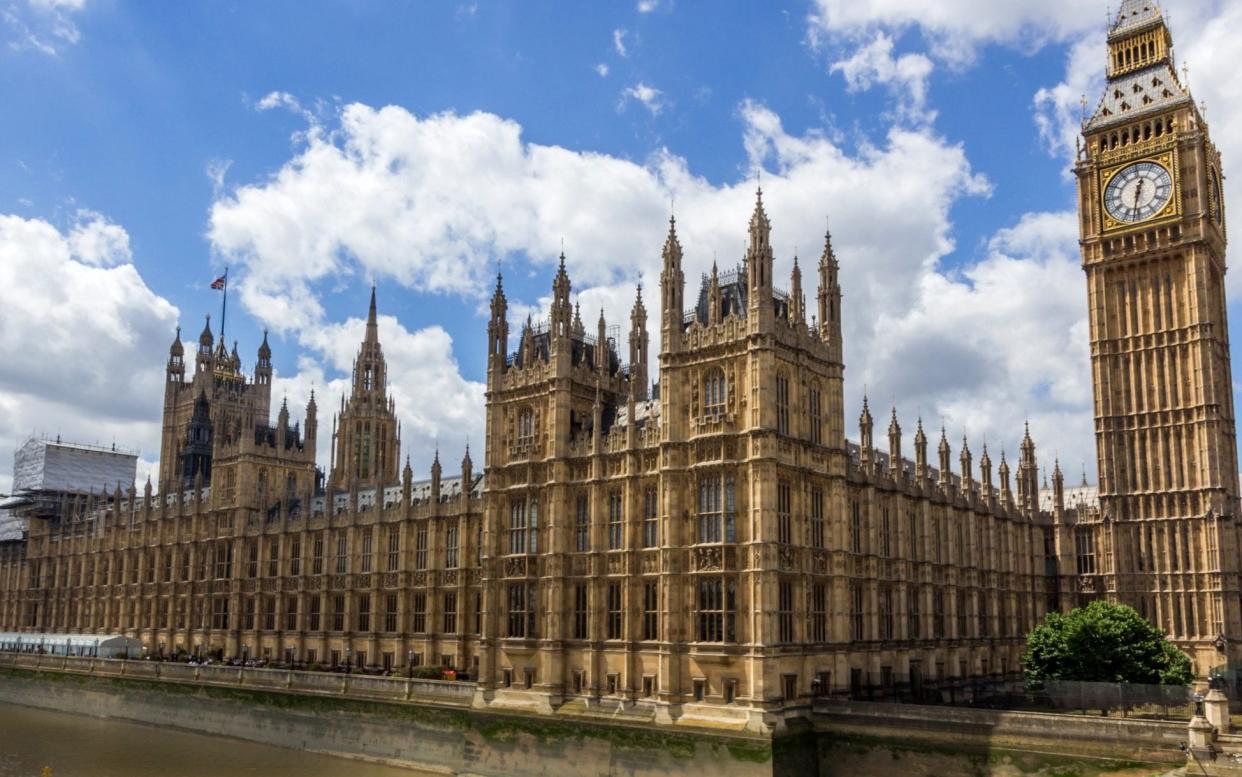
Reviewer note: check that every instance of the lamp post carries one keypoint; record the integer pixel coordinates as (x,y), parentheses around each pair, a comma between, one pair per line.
(348,660)
(409,663)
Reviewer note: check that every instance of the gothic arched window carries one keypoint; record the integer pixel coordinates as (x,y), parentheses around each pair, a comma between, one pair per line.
(526,425)
(714,392)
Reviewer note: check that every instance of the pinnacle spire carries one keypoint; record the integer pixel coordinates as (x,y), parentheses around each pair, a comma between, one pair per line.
(372,325)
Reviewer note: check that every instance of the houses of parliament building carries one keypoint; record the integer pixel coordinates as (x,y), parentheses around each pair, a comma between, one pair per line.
(718,540)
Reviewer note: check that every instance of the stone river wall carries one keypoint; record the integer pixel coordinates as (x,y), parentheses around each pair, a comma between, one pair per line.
(432,725)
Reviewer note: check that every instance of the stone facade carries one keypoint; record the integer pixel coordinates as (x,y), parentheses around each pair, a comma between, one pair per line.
(711,543)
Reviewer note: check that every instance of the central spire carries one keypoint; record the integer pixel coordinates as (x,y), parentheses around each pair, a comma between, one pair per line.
(372,324)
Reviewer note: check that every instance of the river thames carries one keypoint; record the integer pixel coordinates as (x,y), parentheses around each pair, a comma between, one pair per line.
(81,746)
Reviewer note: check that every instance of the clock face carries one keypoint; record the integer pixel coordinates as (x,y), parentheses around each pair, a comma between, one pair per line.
(1138,192)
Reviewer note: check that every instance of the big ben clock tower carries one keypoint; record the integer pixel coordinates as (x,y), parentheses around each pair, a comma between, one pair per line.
(1153,248)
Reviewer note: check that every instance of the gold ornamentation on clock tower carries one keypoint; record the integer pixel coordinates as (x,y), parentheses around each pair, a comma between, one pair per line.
(1153,248)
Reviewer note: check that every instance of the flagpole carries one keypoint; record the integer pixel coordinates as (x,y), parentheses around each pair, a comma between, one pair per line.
(224,306)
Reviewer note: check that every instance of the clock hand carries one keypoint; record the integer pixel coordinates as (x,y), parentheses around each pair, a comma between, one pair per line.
(1138,192)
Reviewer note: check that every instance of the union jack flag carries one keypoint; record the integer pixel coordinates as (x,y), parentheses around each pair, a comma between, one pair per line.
(218,283)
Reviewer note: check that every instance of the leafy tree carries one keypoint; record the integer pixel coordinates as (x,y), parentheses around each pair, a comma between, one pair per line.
(1103,642)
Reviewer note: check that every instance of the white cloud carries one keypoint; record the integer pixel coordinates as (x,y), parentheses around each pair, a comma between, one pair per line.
(602,70)
(647,6)
(954,29)
(906,75)
(618,41)
(96,241)
(85,339)
(45,26)
(430,202)
(648,96)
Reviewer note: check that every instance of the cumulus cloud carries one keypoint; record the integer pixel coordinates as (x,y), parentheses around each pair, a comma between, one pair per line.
(647,6)
(84,337)
(601,70)
(646,95)
(906,75)
(429,202)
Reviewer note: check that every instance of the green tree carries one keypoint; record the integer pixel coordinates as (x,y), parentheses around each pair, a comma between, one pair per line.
(1103,642)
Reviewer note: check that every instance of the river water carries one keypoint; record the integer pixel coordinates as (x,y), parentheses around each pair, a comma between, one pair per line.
(81,746)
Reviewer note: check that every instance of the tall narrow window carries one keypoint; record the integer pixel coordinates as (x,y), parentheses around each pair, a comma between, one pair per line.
(367,539)
(714,392)
(526,427)
(522,610)
(886,612)
(450,547)
(651,513)
(420,546)
(582,524)
(394,548)
(615,621)
(338,612)
(913,630)
(856,527)
(784,513)
(817,518)
(785,611)
(291,613)
(857,613)
(252,561)
(580,611)
(912,534)
(651,611)
(886,533)
(364,612)
(316,611)
(716,508)
(938,631)
(390,612)
(317,555)
(717,601)
(782,404)
(1085,542)
(616,515)
(962,621)
(819,613)
(813,415)
(273,557)
(342,560)
(450,612)
(419,609)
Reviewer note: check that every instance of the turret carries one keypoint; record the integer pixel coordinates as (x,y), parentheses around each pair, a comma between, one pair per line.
(498,329)
(435,477)
(202,362)
(601,347)
(920,455)
(312,426)
(759,268)
(830,297)
(1028,473)
(176,360)
(467,472)
(866,444)
(1006,494)
(894,447)
(714,301)
(797,303)
(672,289)
(282,423)
(946,478)
(967,473)
(407,481)
(263,365)
(638,348)
(561,316)
(1058,489)
(985,471)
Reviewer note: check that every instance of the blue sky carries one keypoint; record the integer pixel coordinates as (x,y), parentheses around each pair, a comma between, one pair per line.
(316,147)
